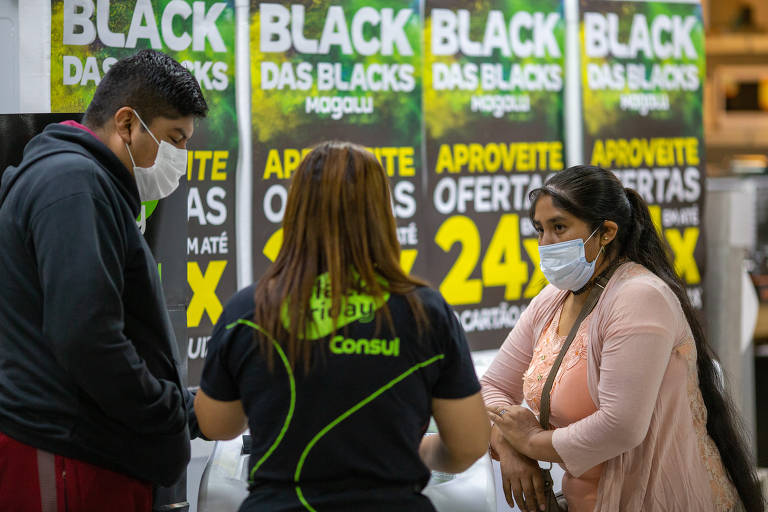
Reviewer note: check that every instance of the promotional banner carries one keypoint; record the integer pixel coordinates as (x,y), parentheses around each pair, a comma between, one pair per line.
(194,242)
(493,101)
(642,79)
(349,71)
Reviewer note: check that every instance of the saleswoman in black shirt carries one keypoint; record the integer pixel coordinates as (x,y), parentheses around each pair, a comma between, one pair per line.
(336,359)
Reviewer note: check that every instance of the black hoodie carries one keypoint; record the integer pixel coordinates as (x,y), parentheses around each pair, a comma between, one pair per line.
(88,358)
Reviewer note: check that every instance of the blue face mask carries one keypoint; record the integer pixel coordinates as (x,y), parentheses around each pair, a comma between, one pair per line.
(565,264)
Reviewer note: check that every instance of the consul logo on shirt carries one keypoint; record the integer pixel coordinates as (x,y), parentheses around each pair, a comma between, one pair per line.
(373,347)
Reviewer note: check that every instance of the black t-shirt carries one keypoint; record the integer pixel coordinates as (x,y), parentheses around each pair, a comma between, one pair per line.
(350,433)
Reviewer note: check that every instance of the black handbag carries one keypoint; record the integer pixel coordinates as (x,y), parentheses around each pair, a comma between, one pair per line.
(555,501)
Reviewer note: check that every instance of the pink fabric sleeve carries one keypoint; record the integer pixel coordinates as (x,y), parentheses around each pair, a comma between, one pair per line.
(639,329)
(503,381)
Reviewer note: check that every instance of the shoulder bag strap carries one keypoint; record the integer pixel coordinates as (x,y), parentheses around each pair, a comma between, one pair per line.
(592,298)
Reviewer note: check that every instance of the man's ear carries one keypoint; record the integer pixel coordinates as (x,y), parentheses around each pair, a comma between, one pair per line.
(124,120)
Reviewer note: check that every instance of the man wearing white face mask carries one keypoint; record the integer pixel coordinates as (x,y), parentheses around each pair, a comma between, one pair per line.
(92,406)
(162,178)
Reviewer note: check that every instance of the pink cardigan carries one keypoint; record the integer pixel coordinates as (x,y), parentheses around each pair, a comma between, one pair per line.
(650,423)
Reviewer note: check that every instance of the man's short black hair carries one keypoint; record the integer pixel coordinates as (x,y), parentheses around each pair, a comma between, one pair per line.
(153,84)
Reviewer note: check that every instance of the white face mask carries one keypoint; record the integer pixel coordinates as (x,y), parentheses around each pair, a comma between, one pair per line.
(160,180)
(565,264)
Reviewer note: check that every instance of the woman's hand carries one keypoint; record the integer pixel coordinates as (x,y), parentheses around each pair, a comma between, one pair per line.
(517,424)
(520,475)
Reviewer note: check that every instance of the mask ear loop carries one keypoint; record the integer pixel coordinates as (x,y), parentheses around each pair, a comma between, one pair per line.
(146,127)
(602,247)
(133,162)
(130,154)
(593,233)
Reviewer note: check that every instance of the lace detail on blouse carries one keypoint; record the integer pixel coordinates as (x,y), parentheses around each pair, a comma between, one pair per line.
(724,495)
(544,354)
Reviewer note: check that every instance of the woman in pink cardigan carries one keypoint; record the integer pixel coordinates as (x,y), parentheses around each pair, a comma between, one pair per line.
(641,422)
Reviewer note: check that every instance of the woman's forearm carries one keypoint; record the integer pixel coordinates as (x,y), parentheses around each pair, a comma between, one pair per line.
(539,447)
(522,431)
(438,457)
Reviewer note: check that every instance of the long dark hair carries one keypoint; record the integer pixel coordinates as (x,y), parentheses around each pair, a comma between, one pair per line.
(594,195)
(338,219)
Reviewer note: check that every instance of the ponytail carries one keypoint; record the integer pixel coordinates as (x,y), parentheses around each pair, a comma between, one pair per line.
(594,195)
(641,242)
(645,246)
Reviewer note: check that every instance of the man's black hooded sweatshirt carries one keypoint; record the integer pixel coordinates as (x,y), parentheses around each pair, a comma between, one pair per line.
(88,359)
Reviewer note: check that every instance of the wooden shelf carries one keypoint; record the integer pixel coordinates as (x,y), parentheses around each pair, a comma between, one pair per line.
(761,327)
(737,44)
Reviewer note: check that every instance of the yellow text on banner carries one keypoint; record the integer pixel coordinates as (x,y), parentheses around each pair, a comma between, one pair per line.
(494,157)
(683,246)
(275,242)
(637,152)
(396,161)
(217,171)
(204,297)
(501,264)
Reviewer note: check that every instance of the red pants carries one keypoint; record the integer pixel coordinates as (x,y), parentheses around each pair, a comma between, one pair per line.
(67,485)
